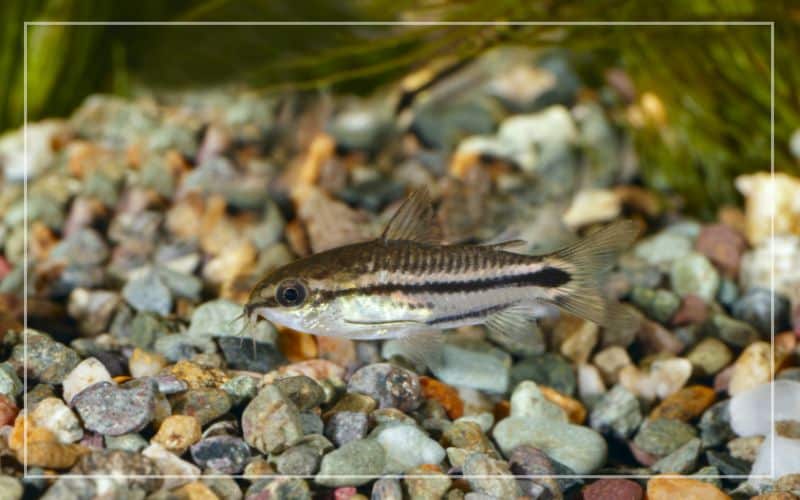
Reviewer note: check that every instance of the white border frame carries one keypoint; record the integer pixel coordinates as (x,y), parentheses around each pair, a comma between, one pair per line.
(771,25)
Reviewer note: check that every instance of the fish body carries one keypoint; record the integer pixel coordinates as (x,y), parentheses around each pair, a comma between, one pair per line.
(406,283)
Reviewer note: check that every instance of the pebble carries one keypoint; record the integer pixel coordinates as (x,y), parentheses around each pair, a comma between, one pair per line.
(41,447)
(475,364)
(715,424)
(694,274)
(610,361)
(387,488)
(221,454)
(590,383)
(490,477)
(681,461)
(444,394)
(709,356)
(655,339)
(177,432)
(10,384)
(345,426)
(754,308)
(735,333)
(241,388)
(196,376)
(283,487)
(579,448)
(133,442)
(751,369)
(660,305)
(145,364)
(528,401)
(745,448)
(686,404)
(179,471)
(364,458)
(431,487)
(303,458)
(407,446)
(148,293)
(250,355)
(303,391)
(613,489)
(750,410)
(468,436)
(271,421)
(692,311)
(529,461)
(88,372)
(206,405)
(111,410)
(195,491)
(617,412)
(391,386)
(52,414)
(665,377)
(11,487)
(547,369)
(579,337)
(8,410)
(670,488)
(47,361)
(662,436)
(723,246)
(664,248)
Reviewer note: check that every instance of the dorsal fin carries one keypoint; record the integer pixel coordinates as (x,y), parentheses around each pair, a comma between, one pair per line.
(414,220)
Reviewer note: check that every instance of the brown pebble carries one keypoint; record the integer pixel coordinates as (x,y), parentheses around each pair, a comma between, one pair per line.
(693,310)
(8,410)
(337,350)
(196,376)
(686,404)
(723,246)
(195,491)
(501,410)
(776,495)
(613,489)
(178,432)
(296,346)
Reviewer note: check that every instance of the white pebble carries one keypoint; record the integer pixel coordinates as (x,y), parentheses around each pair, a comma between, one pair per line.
(171,465)
(665,377)
(751,411)
(55,416)
(88,372)
(590,382)
(527,401)
(406,447)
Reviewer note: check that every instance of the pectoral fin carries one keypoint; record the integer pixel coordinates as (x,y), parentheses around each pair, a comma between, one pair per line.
(515,323)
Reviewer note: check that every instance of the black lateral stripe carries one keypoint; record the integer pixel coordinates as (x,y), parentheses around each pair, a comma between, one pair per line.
(550,277)
(472,314)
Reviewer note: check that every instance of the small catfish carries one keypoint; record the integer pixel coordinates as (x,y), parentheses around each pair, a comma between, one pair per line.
(407,285)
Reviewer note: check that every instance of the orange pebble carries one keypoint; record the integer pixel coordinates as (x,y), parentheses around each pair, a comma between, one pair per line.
(574,409)
(672,488)
(446,395)
(121,379)
(296,346)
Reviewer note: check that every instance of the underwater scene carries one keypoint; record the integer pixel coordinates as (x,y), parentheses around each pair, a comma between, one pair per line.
(403,261)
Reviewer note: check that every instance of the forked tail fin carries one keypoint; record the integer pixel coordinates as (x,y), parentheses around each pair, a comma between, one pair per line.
(587,262)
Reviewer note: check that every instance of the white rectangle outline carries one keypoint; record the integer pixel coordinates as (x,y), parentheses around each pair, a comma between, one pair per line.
(771,24)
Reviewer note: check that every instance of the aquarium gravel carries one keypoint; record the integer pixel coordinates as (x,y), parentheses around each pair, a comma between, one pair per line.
(150,221)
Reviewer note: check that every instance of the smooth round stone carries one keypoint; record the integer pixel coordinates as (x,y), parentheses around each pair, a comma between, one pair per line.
(47,361)
(468,436)
(610,361)
(686,404)
(406,447)
(364,458)
(490,477)
(613,489)
(484,420)
(11,488)
(206,405)
(672,488)
(659,305)
(346,426)
(617,412)
(755,308)
(222,454)
(281,487)
(427,481)
(53,415)
(709,356)
(662,436)
(528,401)
(389,385)
(271,422)
(311,423)
(88,372)
(113,411)
(145,364)
(303,459)
(474,364)
(663,248)
(579,448)
(547,369)
(303,391)
(751,369)
(694,274)
(529,461)
(733,332)
(10,384)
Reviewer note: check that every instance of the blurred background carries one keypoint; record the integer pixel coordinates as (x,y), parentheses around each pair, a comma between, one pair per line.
(702,92)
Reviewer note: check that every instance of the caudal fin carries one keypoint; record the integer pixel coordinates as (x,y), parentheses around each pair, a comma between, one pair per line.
(587,261)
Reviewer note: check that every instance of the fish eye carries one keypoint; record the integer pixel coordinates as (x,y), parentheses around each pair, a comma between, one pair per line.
(290,293)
